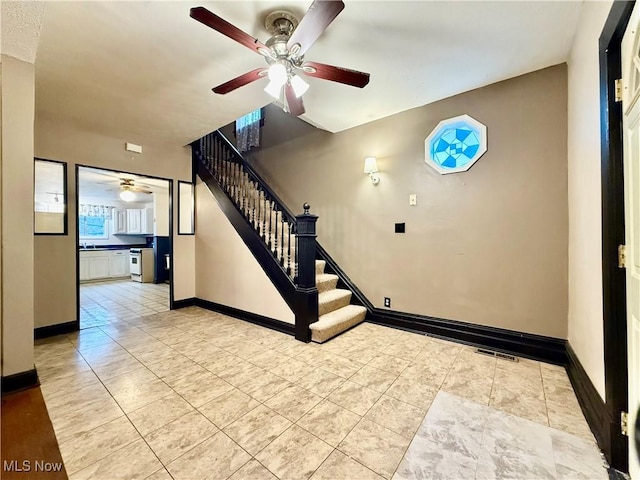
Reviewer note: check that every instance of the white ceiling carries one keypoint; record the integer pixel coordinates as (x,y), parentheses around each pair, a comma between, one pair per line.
(105,185)
(143,71)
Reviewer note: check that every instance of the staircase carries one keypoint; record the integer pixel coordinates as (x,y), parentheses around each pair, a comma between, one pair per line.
(284,244)
(335,312)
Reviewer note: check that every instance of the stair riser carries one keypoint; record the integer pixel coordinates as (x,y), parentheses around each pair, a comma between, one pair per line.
(325,308)
(326,285)
(323,334)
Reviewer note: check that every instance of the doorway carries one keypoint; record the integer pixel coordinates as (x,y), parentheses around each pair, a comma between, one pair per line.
(124,246)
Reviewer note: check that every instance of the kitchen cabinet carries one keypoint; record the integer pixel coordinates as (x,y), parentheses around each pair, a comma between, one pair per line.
(99,267)
(84,268)
(119,218)
(140,221)
(133,220)
(119,265)
(101,264)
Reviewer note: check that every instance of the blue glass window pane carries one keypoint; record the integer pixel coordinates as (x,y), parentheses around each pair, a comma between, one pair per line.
(455,146)
(92,226)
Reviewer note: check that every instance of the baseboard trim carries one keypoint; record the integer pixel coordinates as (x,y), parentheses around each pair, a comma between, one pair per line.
(19,381)
(593,407)
(58,329)
(268,322)
(537,347)
(183,303)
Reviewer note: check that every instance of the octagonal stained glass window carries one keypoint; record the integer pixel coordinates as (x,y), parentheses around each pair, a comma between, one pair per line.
(455,144)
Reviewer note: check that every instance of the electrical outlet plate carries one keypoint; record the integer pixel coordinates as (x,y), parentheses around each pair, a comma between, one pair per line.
(387,302)
(413,199)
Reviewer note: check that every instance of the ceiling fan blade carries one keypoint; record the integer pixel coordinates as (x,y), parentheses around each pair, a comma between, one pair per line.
(240,81)
(320,14)
(294,104)
(336,74)
(212,20)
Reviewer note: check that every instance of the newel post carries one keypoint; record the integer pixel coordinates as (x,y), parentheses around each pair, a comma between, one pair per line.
(307,293)
(306,234)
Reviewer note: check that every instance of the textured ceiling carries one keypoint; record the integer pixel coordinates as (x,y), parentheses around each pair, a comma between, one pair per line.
(21,22)
(143,71)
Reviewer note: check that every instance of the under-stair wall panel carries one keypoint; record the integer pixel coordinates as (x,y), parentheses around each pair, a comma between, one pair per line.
(226,271)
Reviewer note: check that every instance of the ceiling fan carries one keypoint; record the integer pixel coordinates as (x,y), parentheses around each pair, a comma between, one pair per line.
(128,189)
(284,52)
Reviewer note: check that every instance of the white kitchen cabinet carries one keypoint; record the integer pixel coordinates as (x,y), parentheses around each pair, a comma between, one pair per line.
(102,264)
(119,266)
(119,218)
(99,267)
(140,221)
(133,220)
(84,268)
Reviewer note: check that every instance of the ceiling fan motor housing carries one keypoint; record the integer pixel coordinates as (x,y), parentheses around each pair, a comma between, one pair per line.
(281,22)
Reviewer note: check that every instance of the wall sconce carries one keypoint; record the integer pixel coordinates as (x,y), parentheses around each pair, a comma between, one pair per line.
(371,167)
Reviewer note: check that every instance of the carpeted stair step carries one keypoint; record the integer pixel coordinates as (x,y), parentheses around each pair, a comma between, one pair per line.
(333,300)
(336,322)
(325,282)
(320,264)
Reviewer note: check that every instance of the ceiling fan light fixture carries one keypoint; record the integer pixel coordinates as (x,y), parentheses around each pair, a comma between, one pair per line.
(127,195)
(299,85)
(278,74)
(274,89)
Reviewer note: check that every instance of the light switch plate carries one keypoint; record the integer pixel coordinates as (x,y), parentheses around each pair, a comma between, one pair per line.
(413,199)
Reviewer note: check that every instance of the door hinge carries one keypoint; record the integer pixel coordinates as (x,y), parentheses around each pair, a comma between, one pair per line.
(618,89)
(624,423)
(622,256)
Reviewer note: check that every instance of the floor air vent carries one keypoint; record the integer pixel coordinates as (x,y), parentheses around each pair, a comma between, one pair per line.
(491,353)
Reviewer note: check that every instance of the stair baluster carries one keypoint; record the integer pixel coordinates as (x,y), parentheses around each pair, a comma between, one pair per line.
(275,237)
(221,165)
(282,220)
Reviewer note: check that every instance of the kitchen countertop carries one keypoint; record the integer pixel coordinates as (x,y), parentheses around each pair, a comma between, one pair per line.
(110,247)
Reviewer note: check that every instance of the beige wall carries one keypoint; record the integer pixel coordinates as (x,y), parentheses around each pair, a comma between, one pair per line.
(585,224)
(226,271)
(488,246)
(55,256)
(17,260)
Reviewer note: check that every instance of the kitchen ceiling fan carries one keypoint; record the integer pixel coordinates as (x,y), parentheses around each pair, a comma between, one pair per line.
(128,189)
(284,52)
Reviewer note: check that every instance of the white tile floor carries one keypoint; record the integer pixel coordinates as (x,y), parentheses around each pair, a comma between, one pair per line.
(102,303)
(193,394)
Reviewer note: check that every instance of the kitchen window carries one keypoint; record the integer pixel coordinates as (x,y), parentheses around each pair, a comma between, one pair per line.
(93,227)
